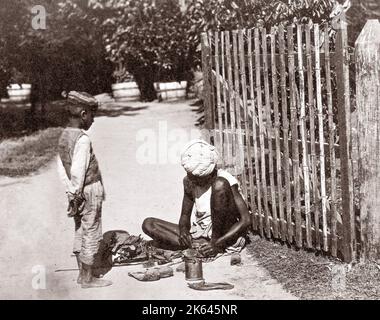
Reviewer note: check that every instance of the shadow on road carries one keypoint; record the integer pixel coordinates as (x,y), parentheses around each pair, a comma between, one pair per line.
(198,108)
(117,110)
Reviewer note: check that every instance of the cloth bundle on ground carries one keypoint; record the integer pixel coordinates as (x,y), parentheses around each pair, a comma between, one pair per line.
(127,248)
(121,243)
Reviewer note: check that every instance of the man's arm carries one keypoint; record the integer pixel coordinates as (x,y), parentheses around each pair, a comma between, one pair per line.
(239,227)
(236,230)
(184,220)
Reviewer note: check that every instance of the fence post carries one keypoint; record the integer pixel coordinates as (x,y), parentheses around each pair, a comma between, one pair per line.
(344,120)
(367,59)
(207,86)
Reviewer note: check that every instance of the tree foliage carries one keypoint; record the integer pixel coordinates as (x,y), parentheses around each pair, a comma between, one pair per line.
(235,14)
(360,12)
(153,40)
(68,54)
(158,40)
(13,31)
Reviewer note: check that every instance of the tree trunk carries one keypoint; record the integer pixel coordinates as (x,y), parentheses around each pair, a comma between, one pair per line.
(145,81)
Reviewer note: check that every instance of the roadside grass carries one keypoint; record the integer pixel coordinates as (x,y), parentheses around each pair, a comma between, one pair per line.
(28,142)
(24,155)
(316,277)
(18,121)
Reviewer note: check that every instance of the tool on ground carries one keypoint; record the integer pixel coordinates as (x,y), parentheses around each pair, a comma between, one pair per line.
(205,286)
(132,263)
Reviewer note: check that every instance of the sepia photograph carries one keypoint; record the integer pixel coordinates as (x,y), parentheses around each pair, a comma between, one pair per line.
(199,151)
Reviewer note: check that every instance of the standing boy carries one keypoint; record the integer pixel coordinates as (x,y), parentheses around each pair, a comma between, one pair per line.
(79,171)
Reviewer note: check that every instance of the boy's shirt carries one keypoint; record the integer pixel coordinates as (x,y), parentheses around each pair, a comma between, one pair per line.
(79,166)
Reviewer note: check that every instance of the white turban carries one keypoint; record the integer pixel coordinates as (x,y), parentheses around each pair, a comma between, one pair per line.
(199,158)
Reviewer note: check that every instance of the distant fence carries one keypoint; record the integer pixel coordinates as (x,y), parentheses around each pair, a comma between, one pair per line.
(277,106)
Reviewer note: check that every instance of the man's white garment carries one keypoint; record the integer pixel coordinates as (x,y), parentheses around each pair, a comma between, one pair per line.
(201,220)
(201,226)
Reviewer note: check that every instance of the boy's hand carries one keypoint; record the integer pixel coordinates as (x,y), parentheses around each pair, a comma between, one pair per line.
(76,205)
(185,237)
(70,212)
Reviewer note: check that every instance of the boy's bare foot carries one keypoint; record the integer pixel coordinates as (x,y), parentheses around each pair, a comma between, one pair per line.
(89,281)
(79,279)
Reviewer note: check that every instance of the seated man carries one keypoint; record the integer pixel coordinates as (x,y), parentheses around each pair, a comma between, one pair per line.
(221,215)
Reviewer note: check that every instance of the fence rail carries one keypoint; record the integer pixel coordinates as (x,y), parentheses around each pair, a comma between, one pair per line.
(282,129)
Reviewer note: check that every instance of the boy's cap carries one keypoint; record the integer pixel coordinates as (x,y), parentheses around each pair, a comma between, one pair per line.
(81,98)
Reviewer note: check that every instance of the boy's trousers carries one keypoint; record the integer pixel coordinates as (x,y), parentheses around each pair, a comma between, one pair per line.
(88,225)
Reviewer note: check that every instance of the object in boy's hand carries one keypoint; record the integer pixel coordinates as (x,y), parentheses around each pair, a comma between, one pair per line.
(76,205)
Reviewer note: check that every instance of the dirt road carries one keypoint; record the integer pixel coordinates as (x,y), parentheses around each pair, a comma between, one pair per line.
(137,148)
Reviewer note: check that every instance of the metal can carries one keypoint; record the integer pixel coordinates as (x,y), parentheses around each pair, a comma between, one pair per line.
(193,269)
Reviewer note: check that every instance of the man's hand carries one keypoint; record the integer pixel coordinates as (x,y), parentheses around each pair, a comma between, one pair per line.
(209,249)
(185,237)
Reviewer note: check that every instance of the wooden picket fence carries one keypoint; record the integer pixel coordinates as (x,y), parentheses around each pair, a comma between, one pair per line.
(277,107)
